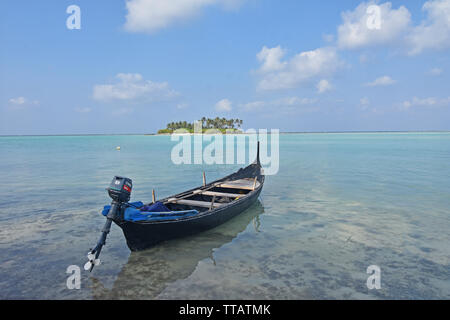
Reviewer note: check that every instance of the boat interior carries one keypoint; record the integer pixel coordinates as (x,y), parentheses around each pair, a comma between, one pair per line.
(213,196)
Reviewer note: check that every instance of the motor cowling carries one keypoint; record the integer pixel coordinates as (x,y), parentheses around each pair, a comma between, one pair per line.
(120,189)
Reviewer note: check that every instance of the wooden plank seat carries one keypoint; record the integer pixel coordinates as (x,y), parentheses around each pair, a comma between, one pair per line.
(221,194)
(244,184)
(195,203)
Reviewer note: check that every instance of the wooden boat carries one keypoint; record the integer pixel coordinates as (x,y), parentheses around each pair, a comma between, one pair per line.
(216,203)
(213,204)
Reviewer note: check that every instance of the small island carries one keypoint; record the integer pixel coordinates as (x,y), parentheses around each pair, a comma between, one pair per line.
(220,124)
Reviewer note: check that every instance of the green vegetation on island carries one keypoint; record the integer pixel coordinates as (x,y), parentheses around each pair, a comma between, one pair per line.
(220,124)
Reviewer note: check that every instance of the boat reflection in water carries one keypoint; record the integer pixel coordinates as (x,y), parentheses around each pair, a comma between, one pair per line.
(148,272)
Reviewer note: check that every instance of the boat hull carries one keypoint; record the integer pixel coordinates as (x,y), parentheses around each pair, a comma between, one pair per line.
(140,236)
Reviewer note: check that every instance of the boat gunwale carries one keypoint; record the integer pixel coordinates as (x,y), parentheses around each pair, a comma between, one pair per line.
(208,212)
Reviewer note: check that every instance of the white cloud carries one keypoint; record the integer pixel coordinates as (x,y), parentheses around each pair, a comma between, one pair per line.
(270,59)
(364,103)
(436,72)
(224,105)
(254,105)
(18,101)
(131,86)
(282,103)
(21,103)
(396,27)
(182,106)
(294,101)
(356,30)
(301,68)
(434,32)
(323,86)
(425,102)
(382,81)
(152,15)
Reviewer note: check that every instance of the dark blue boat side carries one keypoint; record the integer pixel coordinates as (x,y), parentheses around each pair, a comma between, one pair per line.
(144,234)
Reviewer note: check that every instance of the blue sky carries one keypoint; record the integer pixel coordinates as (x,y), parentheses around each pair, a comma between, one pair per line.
(291,65)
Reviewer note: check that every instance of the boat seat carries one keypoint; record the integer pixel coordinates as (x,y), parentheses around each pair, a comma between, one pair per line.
(221,194)
(244,184)
(195,203)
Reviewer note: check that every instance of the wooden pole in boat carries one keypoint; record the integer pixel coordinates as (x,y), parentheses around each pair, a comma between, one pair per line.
(204,179)
(254,183)
(212,203)
(153,196)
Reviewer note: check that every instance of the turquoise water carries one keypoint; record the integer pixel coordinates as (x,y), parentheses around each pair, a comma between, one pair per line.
(339,203)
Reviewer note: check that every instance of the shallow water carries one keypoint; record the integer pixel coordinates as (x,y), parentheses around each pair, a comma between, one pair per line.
(339,203)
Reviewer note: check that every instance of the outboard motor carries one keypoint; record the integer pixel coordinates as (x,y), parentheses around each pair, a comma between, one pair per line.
(120,191)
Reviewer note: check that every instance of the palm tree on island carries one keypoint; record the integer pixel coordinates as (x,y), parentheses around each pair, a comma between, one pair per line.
(221,124)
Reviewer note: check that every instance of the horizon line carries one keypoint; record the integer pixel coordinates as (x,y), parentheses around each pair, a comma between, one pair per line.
(281,132)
